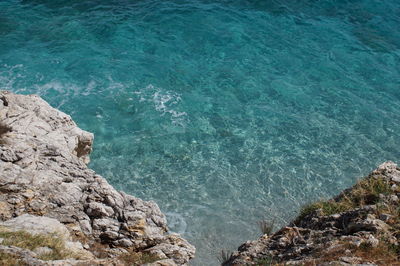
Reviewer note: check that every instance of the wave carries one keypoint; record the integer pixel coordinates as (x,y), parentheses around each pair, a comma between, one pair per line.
(164,102)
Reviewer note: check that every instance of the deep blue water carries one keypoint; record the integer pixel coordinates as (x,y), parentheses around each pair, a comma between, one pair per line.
(224,112)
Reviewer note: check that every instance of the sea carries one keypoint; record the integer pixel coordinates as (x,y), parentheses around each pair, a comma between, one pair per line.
(225,113)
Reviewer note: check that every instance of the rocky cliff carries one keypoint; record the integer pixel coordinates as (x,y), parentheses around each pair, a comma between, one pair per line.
(361,226)
(70,215)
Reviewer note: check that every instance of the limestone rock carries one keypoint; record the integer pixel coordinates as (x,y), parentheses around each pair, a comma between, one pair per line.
(37,225)
(43,172)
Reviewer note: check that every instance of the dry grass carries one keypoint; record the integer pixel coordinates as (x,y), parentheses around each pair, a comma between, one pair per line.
(99,250)
(383,254)
(9,259)
(137,258)
(266,226)
(225,256)
(365,192)
(26,240)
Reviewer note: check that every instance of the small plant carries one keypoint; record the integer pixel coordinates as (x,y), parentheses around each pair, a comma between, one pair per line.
(225,256)
(266,226)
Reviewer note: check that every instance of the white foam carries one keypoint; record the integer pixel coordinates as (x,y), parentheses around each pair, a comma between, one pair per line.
(165,102)
(66,89)
(9,76)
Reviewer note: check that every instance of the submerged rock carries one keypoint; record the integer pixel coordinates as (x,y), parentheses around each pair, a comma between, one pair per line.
(44,173)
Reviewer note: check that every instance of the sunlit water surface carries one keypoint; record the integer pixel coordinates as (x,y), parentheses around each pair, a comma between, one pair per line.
(223,112)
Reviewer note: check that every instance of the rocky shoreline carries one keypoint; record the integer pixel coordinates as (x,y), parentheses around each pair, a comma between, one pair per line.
(46,189)
(54,210)
(361,226)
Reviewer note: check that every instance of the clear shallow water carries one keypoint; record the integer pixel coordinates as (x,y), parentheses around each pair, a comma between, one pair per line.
(223,112)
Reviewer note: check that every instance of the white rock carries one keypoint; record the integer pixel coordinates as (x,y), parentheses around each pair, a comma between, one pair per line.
(47,153)
(37,225)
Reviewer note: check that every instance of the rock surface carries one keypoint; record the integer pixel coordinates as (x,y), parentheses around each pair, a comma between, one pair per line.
(43,172)
(361,226)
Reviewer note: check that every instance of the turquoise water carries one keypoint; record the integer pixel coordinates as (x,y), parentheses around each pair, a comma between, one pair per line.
(223,112)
